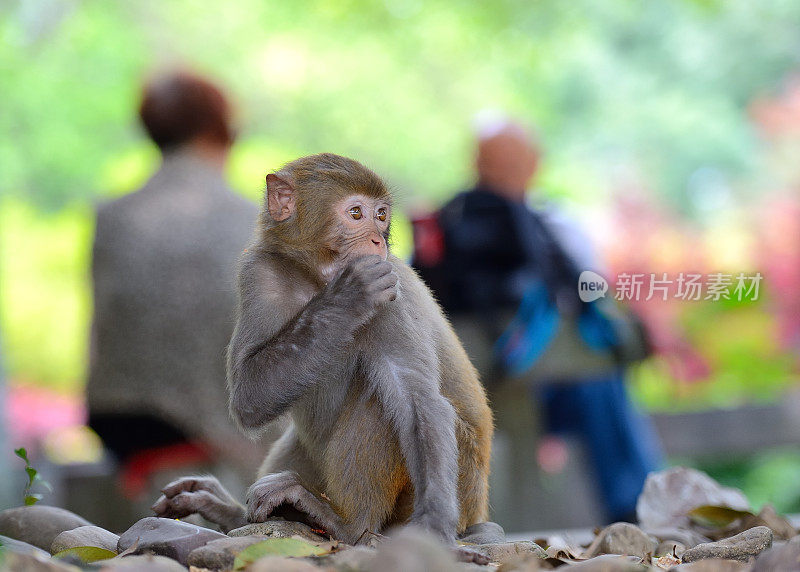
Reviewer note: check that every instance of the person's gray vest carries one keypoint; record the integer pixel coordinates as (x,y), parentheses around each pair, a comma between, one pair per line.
(164,271)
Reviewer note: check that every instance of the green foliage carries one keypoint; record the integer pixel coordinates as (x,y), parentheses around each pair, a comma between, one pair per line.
(28,497)
(45,302)
(768,477)
(738,339)
(661,86)
(659,89)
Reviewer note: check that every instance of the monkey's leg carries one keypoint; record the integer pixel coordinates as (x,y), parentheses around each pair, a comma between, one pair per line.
(424,422)
(200,495)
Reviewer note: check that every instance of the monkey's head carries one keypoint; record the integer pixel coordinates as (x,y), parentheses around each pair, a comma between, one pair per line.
(323,210)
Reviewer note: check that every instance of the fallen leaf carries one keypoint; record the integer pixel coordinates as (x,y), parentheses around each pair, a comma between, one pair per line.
(86,554)
(716,516)
(276,547)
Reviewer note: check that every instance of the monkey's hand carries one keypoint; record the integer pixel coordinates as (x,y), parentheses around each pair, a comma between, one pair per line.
(200,495)
(362,286)
(282,494)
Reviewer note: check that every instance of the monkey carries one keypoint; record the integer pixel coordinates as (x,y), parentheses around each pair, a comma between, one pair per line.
(389,421)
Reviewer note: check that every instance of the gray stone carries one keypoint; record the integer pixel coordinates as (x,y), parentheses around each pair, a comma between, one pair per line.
(38,524)
(141,563)
(506,551)
(355,559)
(740,547)
(166,537)
(411,549)
(282,564)
(278,528)
(610,563)
(85,536)
(483,533)
(21,547)
(219,554)
(622,538)
(522,563)
(784,557)
(717,565)
(669,495)
(19,562)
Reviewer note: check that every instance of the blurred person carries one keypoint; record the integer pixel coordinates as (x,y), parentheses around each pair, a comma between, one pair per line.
(488,254)
(163,271)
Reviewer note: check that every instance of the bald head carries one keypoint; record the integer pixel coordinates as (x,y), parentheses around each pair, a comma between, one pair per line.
(507,157)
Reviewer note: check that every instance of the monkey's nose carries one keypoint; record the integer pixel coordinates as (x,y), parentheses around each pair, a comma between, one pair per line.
(376,241)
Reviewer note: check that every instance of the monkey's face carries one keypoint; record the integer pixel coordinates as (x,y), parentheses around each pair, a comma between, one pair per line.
(361,227)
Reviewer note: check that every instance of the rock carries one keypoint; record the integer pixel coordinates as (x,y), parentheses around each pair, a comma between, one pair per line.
(85,536)
(278,528)
(20,562)
(522,563)
(505,551)
(740,547)
(282,564)
(22,547)
(219,554)
(353,559)
(714,565)
(668,495)
(610,563)
(688,538)
(166,537)
(38,524)
(411,549)
(785,557)
(483,533)
(140,563)
(622,538)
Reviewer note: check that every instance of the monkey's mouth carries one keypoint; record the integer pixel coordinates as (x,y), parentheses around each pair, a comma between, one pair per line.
(288,511)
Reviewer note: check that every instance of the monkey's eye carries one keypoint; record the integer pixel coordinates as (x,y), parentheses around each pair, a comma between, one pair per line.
(355,212)
(381,214)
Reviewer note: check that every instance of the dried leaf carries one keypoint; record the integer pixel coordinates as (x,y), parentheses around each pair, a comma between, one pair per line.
(666,562)
(130,550)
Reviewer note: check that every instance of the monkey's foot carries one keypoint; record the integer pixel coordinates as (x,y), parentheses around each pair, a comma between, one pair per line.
(282,494)
(464,554)
(200,495)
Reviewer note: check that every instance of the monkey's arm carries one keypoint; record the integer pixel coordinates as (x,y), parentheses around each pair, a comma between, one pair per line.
(273,359)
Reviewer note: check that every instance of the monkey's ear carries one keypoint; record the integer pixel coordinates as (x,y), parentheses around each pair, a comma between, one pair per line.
(280,198)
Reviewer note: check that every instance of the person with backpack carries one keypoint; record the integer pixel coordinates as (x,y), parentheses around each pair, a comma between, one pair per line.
(514,270)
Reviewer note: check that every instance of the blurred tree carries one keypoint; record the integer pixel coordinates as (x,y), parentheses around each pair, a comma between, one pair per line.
(660,85)
(658,89)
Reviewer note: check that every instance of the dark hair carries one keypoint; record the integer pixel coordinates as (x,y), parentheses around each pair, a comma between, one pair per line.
(180,106)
